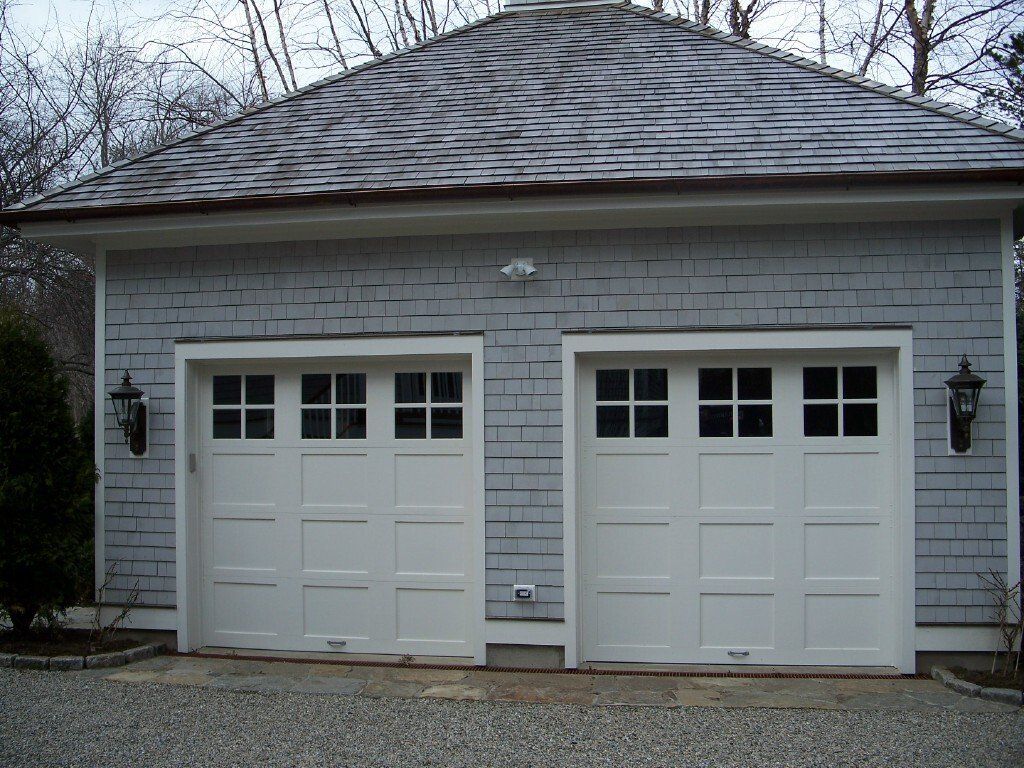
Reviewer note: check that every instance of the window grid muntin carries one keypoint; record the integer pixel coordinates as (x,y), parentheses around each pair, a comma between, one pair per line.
(631,404)
(243,407)
(333,406)
(735,402)
(427,405)
(841,400)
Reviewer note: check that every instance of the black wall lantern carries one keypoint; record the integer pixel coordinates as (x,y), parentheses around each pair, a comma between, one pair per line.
(131,414)
(964,391)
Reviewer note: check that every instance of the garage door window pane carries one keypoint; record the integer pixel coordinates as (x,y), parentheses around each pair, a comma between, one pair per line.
(411,423)
(754,384)
(316,423)
(860,419)
(860,382)
(446,387)
(714,384)
(259,424)
(351,424)
(613,421)
(227,390)
(316,388)
(715,420)
(821,383)
(227,423)
(650,421)
(259,390)
(650,384)
(351,388)
(445,423)
(821,420)
(755,420)
(410,387)
(613,385)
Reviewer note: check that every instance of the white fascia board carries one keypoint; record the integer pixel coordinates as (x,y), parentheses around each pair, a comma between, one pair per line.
(532,214)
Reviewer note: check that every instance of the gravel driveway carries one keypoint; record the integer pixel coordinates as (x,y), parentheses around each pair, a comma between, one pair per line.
(55,719)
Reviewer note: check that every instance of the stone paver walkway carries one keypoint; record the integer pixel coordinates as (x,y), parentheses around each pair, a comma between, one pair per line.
(549,688)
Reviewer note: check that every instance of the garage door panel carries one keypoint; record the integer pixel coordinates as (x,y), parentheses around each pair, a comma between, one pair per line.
(843,480)
(430,481)
(244,479)
(737,621)
(337,546)
(737,480)
(338,480)
(431,547)
(633,619)
(843,550)
(335,611)
(632,480)
(840,622)
(321,539)
(639,549)
(244,543)
(737,550)
(696,547)
(424,614)
(241,608)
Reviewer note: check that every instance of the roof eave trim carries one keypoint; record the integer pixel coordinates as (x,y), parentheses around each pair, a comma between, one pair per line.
(15,216)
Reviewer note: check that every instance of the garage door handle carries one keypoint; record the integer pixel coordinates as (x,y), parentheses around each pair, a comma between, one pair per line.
(337,643)
(736,654)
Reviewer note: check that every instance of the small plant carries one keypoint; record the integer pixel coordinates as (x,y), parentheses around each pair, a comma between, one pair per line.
(100,633)
(1008,613)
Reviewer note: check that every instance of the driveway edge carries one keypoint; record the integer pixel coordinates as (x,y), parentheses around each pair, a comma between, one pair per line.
(965,688)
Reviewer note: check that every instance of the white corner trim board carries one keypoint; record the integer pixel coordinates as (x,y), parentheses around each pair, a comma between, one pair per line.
(615,349)
(1013,553)
(403,495)
(100,414)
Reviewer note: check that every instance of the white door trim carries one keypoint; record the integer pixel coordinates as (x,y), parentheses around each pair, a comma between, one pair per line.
(189,356)
(892,338)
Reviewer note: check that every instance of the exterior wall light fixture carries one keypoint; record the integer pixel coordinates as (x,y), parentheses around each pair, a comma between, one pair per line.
(520,269)
(130,412)
(964,392)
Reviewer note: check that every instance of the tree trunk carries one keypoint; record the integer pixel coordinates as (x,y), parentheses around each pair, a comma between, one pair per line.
(270,49)
(284,45)
(920,34)
(822,54)
(255,51)
(22,617)
(334,34)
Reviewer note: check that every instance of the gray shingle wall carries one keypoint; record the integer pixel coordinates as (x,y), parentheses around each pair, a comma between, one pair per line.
(944,278)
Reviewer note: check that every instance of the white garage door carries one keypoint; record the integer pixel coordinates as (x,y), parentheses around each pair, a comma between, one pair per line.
(738,509)
(336,506)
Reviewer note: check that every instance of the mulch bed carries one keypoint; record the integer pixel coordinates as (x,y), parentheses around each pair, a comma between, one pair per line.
(69,642)
(985,680)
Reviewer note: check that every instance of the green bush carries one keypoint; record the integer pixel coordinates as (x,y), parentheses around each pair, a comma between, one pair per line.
(46,482)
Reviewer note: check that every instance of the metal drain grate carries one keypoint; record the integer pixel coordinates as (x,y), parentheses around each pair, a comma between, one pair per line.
(343,661)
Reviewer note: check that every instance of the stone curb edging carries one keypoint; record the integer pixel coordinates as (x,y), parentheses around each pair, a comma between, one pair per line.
(96,661)
(954,683)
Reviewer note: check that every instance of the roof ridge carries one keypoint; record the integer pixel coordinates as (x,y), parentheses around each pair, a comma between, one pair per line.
(962,114)
(262,107)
